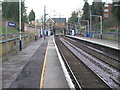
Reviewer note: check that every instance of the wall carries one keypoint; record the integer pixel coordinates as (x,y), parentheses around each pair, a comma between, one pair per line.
(60,25)
(13,45)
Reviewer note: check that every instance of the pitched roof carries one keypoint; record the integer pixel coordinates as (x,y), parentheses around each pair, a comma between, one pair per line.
(59,19)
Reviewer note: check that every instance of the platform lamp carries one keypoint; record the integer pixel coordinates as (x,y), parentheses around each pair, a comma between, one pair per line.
(101,32)
(117,5)
(20,40)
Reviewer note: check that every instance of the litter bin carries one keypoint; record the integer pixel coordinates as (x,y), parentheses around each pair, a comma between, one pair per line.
(35,38)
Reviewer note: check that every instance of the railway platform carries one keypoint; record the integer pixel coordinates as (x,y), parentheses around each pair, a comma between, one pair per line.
(39,65)
(54,74)
(102,42)
(30,58)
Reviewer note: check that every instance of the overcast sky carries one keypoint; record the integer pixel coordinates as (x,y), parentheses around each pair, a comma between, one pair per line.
(62,8)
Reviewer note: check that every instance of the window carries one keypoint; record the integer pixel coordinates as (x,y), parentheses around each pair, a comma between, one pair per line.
(106,5)
(106,15)
(106,10)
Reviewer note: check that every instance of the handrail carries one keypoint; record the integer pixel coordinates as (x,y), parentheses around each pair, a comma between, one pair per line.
(3,41)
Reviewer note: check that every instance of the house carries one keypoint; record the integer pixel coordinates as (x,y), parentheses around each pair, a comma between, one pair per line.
(107,10)
(33,27)
(55,25)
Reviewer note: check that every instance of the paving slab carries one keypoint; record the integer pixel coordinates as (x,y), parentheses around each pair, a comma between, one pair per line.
(54,75)
(30,76)
(12,68)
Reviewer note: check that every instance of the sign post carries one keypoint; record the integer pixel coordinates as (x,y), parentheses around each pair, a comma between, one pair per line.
(20,25)
(6,36)
(8,24)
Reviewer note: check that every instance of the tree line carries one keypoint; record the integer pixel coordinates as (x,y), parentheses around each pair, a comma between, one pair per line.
(97,8)
(10,11)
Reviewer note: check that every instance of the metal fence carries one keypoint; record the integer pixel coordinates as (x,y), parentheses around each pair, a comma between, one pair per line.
(114,36)
(11,43)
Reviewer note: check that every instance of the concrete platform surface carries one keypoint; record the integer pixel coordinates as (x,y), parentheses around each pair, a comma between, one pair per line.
(107,43)
(12,68)
(54,76)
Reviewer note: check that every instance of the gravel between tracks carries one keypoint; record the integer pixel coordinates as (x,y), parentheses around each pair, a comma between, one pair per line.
(100,56)
(84,75)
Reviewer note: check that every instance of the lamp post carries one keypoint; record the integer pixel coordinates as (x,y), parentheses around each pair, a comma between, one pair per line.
(87,24)
(117,5)
(44,20)
(90,24)
(101,27)
(20,41)
(35,30)
(101,32)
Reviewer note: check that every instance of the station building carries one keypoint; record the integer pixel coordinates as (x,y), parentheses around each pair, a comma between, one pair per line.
(55,25)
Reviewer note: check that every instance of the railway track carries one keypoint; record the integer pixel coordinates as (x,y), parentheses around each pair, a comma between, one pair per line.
(86,71)
(100,54)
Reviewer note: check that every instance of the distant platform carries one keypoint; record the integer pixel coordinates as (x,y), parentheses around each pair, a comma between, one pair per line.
(107,43)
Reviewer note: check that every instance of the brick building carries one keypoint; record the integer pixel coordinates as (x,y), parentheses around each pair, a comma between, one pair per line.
(107,10)
(57,24)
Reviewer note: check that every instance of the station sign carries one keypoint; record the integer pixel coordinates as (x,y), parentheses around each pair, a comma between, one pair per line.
(11,24)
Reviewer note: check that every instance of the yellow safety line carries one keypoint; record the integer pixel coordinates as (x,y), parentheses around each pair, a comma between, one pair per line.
(43,70)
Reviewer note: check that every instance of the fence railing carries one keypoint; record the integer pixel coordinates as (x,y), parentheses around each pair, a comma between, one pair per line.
(115,36)
(10,36)
(11,43)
